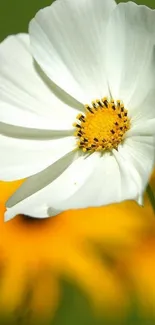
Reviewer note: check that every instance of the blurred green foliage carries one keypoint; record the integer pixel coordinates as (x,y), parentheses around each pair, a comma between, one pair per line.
(74,309)
(16,14)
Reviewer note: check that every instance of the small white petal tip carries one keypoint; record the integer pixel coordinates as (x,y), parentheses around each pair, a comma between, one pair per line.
(140,200)
(8,215)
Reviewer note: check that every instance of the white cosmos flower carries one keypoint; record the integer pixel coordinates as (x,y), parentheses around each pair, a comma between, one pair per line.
(84,50)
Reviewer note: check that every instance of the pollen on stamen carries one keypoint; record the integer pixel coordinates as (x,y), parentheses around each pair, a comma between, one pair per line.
(103,125)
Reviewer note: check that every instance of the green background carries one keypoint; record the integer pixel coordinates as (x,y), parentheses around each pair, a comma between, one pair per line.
(74,308)
(16,14)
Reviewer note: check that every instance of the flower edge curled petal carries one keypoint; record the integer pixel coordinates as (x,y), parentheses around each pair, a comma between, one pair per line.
(66,69)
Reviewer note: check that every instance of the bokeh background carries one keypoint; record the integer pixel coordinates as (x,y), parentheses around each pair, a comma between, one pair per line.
(87,267)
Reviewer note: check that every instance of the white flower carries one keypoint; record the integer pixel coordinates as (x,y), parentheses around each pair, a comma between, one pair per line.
(86,50)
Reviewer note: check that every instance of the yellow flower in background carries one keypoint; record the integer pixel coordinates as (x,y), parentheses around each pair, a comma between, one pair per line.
(71,245)
(79,122)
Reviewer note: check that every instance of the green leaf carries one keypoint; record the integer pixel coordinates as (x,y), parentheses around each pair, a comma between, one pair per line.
(151,196)
(74,308)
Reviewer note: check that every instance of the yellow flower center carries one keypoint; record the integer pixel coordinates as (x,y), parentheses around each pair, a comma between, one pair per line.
(103,125)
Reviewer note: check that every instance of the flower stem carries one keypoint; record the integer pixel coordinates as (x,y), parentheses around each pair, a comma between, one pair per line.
(151,196)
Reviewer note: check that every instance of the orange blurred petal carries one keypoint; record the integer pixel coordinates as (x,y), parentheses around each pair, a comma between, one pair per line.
(65,244)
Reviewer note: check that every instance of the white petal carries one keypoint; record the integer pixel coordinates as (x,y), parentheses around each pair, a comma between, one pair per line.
(118,177)
(68,42)
(140,200)
(21,158)
(109,183)
(38,212)
(139,154)
(130,57)
(142,128)
(27,97)
(52,186)
(20,132)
